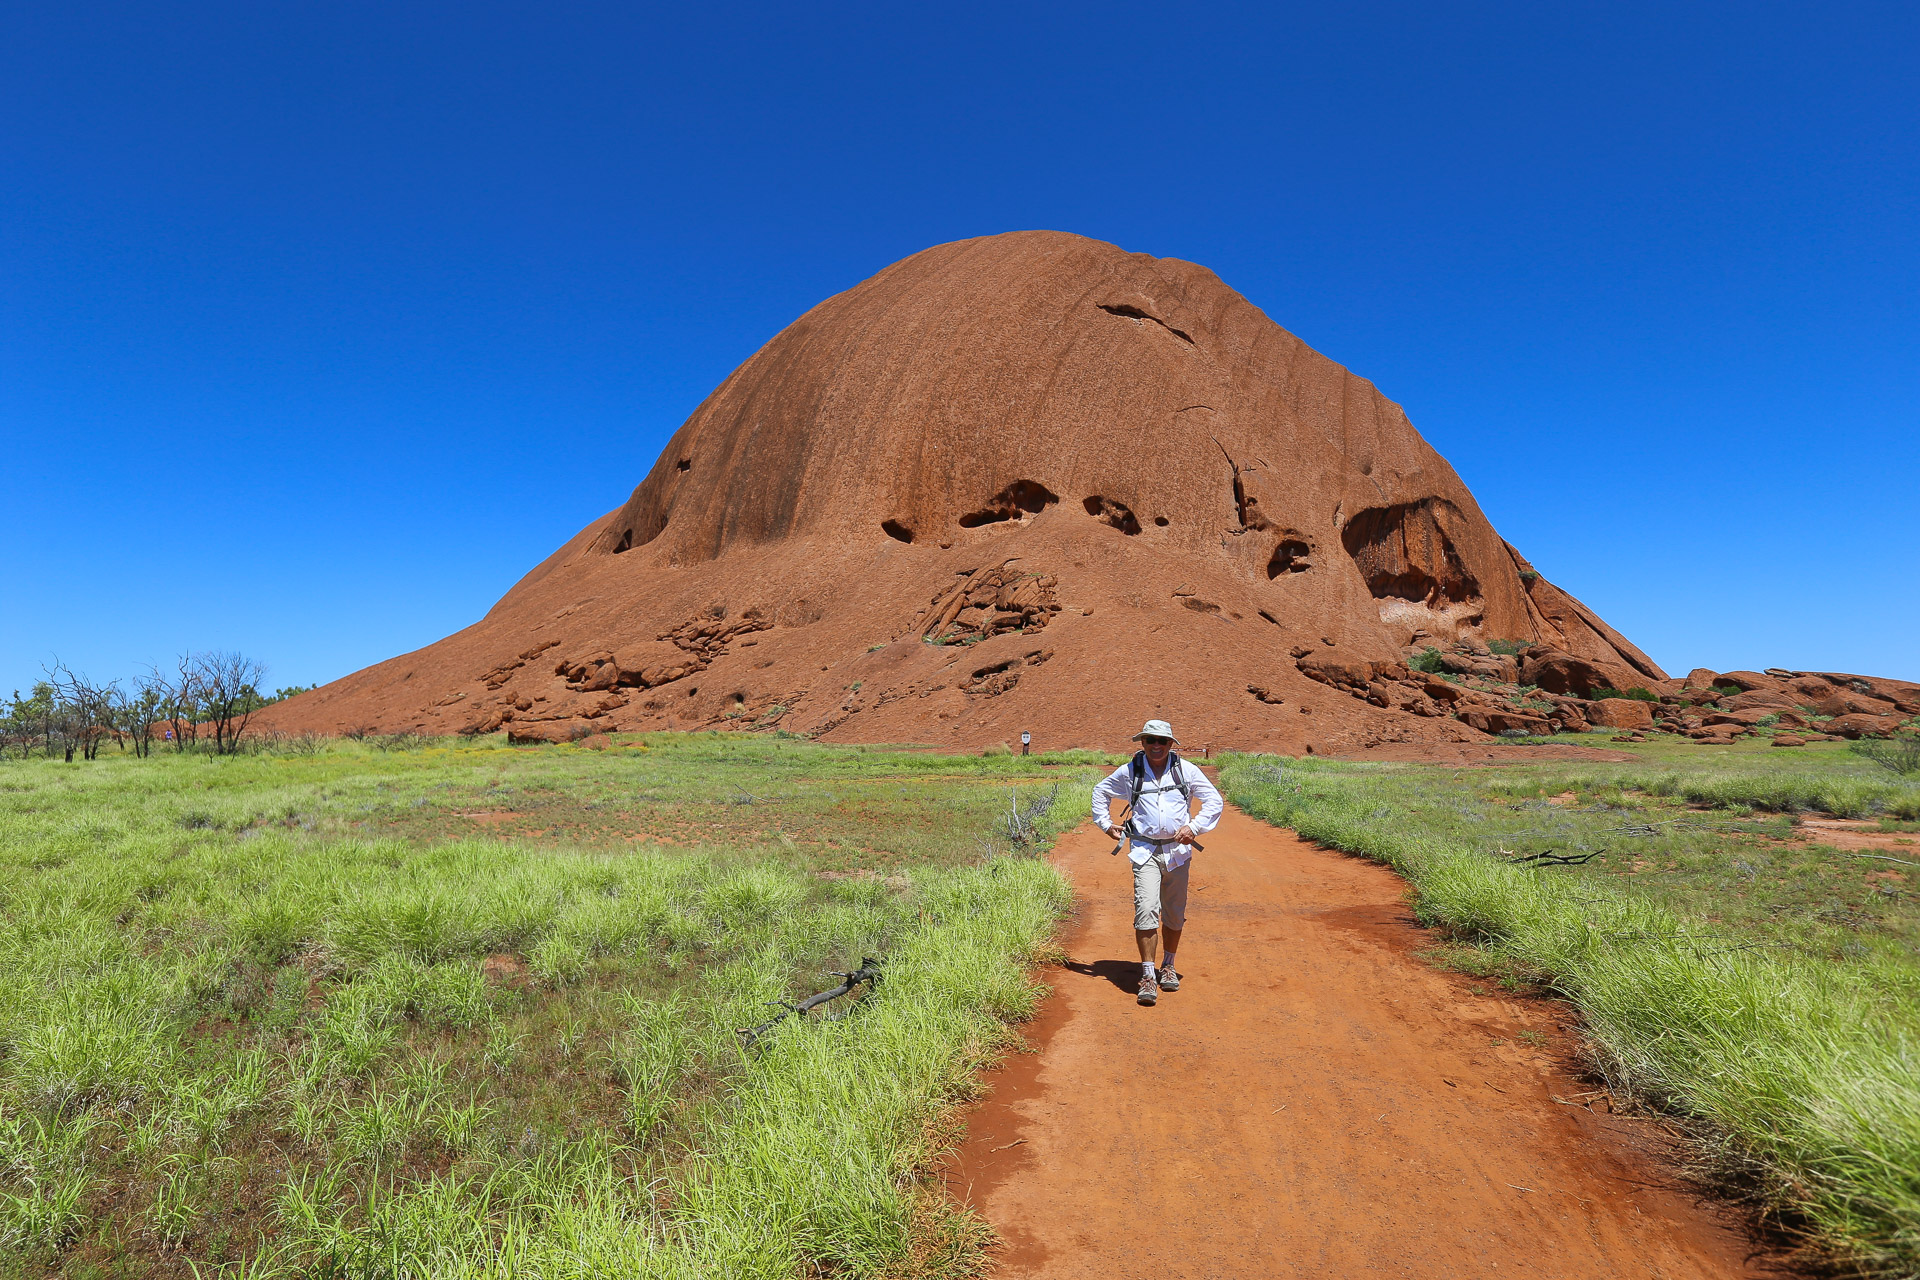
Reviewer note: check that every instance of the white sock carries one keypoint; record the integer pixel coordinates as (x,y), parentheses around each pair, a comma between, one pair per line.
(1147,965)
(1166,961)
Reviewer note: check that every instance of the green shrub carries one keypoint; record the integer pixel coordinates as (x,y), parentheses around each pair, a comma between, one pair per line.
(1511,648)
(1427,660)
(1635,694)
(1901,754)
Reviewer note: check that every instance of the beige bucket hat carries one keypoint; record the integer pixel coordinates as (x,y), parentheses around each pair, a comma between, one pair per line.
(1156,729)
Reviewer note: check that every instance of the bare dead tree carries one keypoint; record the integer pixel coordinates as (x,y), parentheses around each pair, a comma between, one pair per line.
(86,708)
(181,705)
(229,686)
(141,709)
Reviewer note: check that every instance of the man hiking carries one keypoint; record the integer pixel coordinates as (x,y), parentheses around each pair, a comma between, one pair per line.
(1160,831)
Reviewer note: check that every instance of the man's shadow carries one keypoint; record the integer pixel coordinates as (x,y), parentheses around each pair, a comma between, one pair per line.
(1124,974)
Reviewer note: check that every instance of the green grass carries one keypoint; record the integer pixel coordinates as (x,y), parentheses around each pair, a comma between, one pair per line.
(1764,987)
(465,1010)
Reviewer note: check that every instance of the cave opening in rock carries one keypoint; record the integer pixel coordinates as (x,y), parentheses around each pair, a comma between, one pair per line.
(1109,512)
(649,526)
(1019,499)
(1405,553)
(1289,557)
(897,531)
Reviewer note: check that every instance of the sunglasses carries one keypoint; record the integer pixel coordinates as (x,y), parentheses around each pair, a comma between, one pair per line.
(1156,742)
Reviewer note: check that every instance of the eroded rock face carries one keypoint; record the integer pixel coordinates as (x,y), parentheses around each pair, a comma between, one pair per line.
(1558,672)
(1408,558)
(861,532)
(1620,713)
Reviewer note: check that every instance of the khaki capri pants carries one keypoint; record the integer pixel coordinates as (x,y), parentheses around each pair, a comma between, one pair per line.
(1160,894)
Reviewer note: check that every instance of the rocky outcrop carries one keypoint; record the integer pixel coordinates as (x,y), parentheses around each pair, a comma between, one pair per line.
(1619,713)
(1558,672)
(1557,693)
(995,438)
(986,602)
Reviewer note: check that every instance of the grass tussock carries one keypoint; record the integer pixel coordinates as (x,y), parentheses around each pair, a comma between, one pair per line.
(1795,1054)
(301,1014)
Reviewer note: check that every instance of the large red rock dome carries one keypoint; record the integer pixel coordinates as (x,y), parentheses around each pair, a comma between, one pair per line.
(1029,481)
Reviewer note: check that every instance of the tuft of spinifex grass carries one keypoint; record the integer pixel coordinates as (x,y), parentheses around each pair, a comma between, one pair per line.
(1801,1070)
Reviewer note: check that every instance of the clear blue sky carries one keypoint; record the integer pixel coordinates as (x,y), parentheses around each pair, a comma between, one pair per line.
(321,323)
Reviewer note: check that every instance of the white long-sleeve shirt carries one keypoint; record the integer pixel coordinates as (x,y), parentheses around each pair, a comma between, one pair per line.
(1161,810)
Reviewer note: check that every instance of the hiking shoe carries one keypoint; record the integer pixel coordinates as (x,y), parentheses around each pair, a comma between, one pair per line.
(1168,979)
(1149,989)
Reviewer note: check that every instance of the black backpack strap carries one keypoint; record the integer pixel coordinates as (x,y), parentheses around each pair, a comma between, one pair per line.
(1137,770)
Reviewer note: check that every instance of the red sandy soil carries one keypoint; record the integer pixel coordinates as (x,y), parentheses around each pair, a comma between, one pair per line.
(1315,1102)
(1859,833)
(1490,752)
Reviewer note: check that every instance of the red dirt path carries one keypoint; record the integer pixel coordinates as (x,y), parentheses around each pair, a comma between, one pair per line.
(1314,1102)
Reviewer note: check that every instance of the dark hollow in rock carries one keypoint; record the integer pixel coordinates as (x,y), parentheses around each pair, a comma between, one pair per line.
(1022,497)
(651,525)
(1135,313)
(1242,504)
(1403,551)
(997,678)
(1117,514)
(897,531)
(1289,557)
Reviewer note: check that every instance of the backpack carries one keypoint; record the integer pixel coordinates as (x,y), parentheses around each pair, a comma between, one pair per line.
(1137,774)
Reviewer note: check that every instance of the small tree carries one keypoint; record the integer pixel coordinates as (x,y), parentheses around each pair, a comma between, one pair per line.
(33,718)
(62,730)
(85,709)
(139,711)
(180,699)
(229,689)
(19,724)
